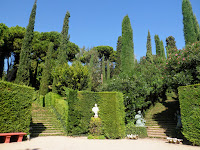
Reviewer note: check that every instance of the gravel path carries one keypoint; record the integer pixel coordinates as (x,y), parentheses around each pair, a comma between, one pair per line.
(82,143)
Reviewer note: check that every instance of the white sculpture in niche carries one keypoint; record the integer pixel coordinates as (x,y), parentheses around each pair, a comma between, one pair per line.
(95,109)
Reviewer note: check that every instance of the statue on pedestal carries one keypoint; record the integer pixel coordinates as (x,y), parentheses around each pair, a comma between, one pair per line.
(95,110)
(140,122)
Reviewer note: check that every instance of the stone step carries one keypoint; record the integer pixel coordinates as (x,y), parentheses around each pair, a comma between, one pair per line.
(47,134)
(47,131)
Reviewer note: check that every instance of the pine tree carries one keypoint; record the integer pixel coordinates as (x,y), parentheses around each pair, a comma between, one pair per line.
(127,53)
(24,70)
(162,49)
(149,56)
(46,71)
(108,70)
(157,42)
(118,56)
(188,22)
(103,70)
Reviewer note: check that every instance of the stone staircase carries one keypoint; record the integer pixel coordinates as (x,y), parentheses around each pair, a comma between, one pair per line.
(160,120)
(44,122)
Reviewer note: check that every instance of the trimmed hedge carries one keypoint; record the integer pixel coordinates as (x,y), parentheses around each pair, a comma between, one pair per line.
(60,107)
(111,112)
(189,97)
(132,129)
(15,105)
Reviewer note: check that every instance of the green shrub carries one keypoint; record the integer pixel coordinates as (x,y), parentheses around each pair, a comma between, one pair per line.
(95,126)
(96,137)
(189,97)
(15,104)
(60,107)
(132,129)
(111,112)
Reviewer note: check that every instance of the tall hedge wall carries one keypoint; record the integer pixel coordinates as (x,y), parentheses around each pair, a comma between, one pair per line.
(60,107)
(111,112)
(15,106)
(189,97)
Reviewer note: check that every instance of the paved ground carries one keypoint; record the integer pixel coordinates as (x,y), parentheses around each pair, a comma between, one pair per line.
(82,143)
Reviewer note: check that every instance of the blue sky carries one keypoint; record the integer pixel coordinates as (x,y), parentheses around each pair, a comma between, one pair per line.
(94,23)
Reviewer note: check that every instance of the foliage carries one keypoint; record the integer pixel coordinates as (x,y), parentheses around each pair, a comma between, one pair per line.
(190,112)
(196,28)
(4,51)
(111,112)
(171,43)
(141,89)
(94,71)
(149,56)
(46,71)
(118,55)
(61,66)
(182,66)
(188,22)
(108,70)
(64,38)
(127,52)
(103,70)
(60,107)
(15,104)
(105,51)
(158,48)
(78,76)
(23,72)
(95,126)
(162,49)
(132,129)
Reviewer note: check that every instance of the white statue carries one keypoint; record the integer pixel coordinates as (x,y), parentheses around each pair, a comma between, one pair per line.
(140,121)
(95,110)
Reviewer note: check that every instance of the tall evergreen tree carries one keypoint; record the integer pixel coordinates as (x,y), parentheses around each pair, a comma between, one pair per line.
(157,42)
(24,70)
(62,50)
(46,71)
(188,22)
(64,39)
(118,55)
(103,70)
(149,56)
(127,53)
(162,49)
(197,28)
(108,70)
(170,43)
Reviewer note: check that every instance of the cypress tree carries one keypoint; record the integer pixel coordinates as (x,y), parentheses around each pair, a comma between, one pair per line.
(46,71)
(162,49)
(157,42)
(24,70)
(108,70)
(170,42)
(62,50)
(64,39)
(197,28)
(118,55)
(127,53)
(188,22)
(149,56)
(103,69)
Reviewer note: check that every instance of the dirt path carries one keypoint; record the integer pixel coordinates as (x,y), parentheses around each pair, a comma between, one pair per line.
(82,143)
